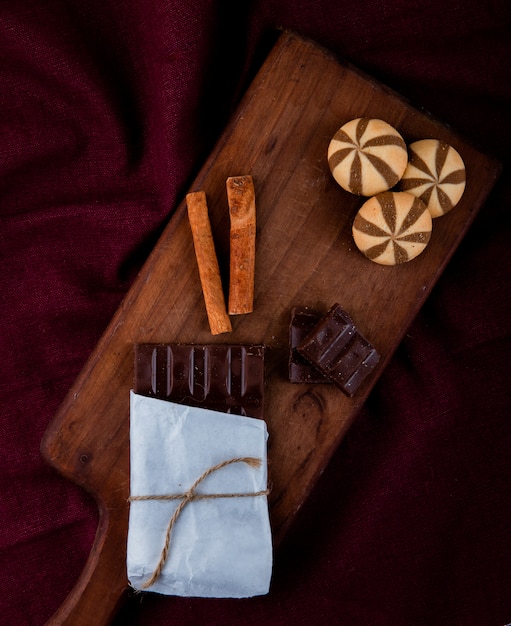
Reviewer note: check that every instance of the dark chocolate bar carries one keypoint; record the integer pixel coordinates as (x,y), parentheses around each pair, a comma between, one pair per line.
(228,378)
(337,349)
(303,321)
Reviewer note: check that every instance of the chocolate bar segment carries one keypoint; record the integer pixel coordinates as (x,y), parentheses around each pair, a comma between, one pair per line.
(228,378)
(303,320)
(337,350)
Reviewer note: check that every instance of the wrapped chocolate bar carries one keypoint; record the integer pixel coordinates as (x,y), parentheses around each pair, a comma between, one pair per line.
(199,523)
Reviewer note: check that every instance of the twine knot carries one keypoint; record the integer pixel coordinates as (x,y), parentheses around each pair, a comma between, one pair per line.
(190,496)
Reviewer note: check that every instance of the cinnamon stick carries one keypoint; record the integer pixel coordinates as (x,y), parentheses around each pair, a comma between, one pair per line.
(242,211)
(207,261)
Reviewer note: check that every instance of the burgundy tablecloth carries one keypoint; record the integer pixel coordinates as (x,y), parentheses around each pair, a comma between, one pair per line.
(107,109)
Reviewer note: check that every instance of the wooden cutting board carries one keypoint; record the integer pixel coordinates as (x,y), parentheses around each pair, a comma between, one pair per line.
(305,256)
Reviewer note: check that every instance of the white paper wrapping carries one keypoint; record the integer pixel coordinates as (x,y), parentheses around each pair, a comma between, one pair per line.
(219,547)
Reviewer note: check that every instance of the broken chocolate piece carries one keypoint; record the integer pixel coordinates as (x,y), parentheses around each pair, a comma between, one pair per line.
(339,351)
(302,323)
(228,378)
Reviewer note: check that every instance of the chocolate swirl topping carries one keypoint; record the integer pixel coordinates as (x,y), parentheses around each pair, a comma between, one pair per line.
(367,156)
(435,174)
(392,228)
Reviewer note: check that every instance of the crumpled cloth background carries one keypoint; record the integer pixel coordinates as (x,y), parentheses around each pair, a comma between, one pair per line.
(107,110)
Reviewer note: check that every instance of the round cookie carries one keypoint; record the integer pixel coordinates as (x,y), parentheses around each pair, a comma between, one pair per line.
(367,156)
(392,227)
(435,174)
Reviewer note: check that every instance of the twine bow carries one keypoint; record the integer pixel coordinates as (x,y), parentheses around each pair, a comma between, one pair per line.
(190,496)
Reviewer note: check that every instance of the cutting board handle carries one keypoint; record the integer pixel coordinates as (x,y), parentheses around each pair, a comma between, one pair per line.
(99,591)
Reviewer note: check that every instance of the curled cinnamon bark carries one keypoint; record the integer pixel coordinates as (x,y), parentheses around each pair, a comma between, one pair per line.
(242,211)
(207,261)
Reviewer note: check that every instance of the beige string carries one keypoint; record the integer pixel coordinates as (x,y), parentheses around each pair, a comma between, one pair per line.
(190,496)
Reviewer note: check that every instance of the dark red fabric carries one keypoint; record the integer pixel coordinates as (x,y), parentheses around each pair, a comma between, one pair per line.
(107,109)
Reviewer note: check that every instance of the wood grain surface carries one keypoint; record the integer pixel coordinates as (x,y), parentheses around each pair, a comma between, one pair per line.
(305,256)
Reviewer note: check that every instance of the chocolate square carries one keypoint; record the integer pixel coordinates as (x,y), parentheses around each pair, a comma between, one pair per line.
(339,351)
(303,320)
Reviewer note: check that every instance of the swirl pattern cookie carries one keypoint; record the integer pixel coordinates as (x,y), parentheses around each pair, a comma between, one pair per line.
(367,156)
(392,228)
(435,174)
